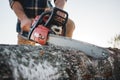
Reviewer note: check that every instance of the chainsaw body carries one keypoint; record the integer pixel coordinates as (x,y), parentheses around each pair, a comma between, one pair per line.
(48,23)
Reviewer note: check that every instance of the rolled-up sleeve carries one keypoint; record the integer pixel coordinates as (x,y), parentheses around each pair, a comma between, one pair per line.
(11,2)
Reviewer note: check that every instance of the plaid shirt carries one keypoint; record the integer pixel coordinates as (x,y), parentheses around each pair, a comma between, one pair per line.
(33,8)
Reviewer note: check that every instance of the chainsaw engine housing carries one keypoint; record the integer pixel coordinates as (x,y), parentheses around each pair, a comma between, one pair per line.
(48,23)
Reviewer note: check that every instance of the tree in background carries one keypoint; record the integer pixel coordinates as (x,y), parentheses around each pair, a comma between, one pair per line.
(116,41)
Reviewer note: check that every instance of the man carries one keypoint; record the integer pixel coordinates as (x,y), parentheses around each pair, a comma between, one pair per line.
(27,10)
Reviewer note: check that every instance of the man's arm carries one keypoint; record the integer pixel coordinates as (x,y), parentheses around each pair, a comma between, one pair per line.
(60,3)
(19,11)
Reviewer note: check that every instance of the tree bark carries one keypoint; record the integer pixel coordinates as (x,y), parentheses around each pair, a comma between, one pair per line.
(23,62)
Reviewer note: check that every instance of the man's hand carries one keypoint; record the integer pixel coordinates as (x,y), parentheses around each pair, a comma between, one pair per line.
(24,20)
(26,24)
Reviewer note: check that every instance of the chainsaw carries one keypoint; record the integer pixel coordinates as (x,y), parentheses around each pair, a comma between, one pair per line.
(49,28)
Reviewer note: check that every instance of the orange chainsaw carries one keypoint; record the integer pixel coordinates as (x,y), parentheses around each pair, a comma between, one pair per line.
(48,23)
(49,28)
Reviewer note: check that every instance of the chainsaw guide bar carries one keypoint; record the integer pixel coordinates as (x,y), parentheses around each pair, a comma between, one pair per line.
(91,50)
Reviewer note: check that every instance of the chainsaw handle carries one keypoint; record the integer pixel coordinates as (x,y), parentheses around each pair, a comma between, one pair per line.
(43,15)
(54,15)
(52,18)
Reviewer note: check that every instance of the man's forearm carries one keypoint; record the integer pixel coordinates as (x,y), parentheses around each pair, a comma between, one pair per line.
(60,3)
(18,9)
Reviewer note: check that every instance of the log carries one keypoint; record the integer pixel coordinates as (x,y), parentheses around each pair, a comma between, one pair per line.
(23,62)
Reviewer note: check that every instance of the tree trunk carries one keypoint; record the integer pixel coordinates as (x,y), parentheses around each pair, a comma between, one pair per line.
(22,62)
